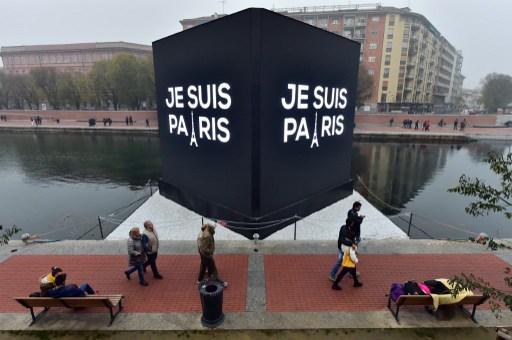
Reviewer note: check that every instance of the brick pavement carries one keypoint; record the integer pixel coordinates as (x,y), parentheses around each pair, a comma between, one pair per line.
(300,282)
(176,293)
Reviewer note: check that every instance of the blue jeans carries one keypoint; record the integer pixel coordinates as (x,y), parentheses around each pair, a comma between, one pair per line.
(86,288)
(337,265)
(140,270)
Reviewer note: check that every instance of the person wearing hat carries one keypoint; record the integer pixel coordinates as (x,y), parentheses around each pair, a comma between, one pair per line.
(47,282)
(206,248)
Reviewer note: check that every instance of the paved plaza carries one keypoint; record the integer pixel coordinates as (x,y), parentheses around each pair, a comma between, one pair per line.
(282,285)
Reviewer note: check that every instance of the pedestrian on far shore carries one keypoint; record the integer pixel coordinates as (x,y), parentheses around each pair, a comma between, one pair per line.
(126,120)
(130,119)
(137,256)
(151,244)
(455,123)
(391,122)
(206,248)
(417,125)
(147,122)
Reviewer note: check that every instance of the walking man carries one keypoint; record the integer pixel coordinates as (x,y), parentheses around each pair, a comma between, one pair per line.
(346,238)
(206,248)
(136,256)
(355,220)
(151,243)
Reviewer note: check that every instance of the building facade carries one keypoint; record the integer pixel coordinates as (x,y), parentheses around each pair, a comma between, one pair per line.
(471,100)
(414,68)
(66,57)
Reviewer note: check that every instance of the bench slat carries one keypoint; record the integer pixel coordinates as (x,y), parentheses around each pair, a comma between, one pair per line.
(72,302)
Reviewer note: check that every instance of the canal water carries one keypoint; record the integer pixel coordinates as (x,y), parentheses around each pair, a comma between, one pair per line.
(56,185)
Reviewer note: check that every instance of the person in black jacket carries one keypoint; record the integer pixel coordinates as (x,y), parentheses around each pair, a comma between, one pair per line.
(356,219)
(346,237)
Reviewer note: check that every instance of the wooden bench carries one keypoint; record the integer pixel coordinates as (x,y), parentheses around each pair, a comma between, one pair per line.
(108,301)
(426,300)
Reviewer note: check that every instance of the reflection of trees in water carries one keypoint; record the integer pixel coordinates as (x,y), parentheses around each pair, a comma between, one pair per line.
(84,158)
(395,172)
(479,151)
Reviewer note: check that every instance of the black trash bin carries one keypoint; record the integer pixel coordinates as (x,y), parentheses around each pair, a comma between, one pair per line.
(211,293)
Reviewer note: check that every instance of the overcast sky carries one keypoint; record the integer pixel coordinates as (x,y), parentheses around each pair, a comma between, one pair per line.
(480,28)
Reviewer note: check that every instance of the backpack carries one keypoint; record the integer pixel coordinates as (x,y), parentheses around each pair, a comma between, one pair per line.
(396,290)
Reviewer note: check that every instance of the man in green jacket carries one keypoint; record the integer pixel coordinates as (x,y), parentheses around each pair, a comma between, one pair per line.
(206,248)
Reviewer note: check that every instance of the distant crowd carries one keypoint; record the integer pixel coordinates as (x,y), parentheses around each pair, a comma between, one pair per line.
(425,125)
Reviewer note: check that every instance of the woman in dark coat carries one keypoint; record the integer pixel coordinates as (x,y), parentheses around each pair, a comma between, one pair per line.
(137,255)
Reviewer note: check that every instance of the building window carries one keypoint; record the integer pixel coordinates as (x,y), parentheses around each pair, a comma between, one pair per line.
(384,85)
(387,60)
(310,21)
(390,36)
(388,50)
(373,33)
(383,98)
(386,73)
(389,44)
(375,19)
(349,21)
(391,20)
(371,72)
(372,46)
(322,22)
(372,59)
(347,34)
(335,21)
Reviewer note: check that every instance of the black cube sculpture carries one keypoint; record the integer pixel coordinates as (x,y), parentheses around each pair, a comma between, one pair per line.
(256,115)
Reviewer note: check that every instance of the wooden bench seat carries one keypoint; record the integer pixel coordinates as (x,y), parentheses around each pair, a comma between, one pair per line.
(106,301)
(426,300)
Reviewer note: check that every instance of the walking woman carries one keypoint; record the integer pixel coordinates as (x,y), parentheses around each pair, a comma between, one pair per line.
(137,256)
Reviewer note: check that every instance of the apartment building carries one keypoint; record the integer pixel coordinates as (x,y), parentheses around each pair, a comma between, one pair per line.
(66,57)
(414,68)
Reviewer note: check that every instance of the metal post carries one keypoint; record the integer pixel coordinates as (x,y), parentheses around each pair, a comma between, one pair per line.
(202,221)
(101,228)
(410,222)
(295,231)
(150,188)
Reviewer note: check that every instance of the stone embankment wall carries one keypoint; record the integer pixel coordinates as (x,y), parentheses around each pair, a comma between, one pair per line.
(361,118)
(383,119)
(82,115)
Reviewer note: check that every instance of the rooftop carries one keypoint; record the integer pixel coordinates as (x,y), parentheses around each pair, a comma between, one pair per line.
(121,45)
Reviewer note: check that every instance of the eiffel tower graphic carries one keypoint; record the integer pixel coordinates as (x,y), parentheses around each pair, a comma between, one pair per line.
(193,140)
(315,137)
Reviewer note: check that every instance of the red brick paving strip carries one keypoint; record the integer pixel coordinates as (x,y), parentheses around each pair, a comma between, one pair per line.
(177,292)
(300,282)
